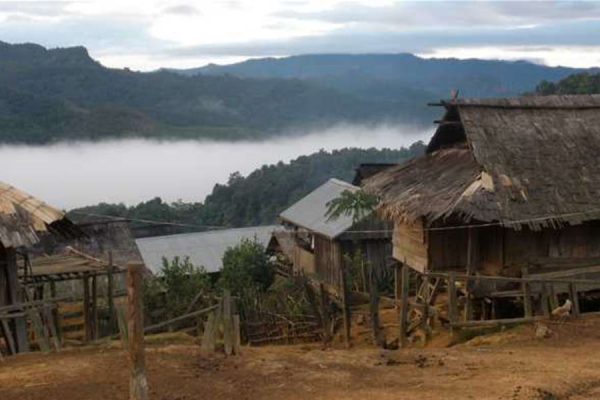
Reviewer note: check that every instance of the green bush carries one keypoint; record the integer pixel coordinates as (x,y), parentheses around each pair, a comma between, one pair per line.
(170,293)
(246,267)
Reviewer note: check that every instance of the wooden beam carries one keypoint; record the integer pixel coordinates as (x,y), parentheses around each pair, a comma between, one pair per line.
(94,308)
(345,304)
(138,384)
(472,246)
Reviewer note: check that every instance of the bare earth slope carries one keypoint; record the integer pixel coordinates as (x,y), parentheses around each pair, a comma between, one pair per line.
(509,365)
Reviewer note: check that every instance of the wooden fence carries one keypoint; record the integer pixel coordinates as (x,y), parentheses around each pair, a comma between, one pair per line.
(529,288)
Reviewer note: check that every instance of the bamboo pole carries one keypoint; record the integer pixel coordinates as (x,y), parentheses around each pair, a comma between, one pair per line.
(138,385)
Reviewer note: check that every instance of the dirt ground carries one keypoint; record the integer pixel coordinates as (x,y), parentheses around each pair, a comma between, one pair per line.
(512,364)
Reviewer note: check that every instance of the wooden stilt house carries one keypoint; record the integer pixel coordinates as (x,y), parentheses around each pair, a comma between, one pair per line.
(507,187)
(322,247)
(22,220)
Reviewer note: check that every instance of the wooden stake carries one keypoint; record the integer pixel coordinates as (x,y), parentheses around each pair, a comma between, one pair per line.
(402,342)
(138,385)
(526,294)
(87,324)
(15,299)
(94,308)
(227,323)
(237,336)
(378,339)
(574,299)
(345,306)
(109,294)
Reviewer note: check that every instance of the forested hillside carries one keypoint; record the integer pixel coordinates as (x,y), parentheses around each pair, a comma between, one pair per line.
(63,94)
(583,83)
(259,197)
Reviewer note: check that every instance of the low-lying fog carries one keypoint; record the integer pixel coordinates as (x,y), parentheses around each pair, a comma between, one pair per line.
(130,171)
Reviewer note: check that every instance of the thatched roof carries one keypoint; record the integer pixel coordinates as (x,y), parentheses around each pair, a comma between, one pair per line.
(527,161)
(23,217)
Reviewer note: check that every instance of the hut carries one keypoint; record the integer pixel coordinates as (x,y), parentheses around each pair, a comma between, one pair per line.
(322,247)
(507,187)
(23,219)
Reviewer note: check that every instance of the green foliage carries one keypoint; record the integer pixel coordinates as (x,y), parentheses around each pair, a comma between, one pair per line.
(170,293)
(258,198)
(246,268)
(583,83)
(357,205)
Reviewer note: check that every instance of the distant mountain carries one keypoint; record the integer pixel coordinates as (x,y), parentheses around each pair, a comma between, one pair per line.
(63,94)
(402,77)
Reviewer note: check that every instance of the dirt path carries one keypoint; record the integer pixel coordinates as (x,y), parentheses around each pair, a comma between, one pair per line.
(509,366)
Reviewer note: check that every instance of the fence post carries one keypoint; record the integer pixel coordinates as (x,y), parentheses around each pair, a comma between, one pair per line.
(109,294)
(138,385)
(452,300)
(574,298)
(544,298)
(345,305)
(526,294)
(402,342)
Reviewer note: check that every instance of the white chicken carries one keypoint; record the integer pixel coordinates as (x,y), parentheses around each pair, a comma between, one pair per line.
(562,312)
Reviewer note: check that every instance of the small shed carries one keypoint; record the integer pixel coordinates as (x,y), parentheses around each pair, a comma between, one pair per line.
(324,247)
(204,249)
(23,219)
(506,187)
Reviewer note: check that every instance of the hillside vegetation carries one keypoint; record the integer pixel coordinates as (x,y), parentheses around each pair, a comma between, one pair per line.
(63,94)
(583,83)
(259,197)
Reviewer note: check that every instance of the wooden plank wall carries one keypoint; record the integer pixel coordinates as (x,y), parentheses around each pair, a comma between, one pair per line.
(410,245)
(328,260)
(304,260)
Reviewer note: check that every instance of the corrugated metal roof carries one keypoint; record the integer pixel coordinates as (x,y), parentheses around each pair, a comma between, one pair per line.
(310,212)
(203,248)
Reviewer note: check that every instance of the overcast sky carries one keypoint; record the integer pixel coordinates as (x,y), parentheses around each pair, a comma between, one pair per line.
(148,34)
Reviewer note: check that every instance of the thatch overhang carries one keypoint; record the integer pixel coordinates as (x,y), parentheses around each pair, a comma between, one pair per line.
(23,218)
(530,161)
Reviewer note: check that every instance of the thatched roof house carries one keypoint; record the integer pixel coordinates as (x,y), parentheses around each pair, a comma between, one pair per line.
(22,220)
(524,172)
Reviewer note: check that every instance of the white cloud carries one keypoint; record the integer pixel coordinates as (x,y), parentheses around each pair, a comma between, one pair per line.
(143,34)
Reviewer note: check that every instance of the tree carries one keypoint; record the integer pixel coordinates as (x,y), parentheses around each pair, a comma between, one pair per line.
(357,205)
(246,267)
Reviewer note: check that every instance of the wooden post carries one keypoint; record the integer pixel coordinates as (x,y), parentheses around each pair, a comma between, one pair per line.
(345,305)
(15,299)
(402,342)
(544,299)
(452,300)
(526,294)
(109,294)
(94,308)
(86,308)
(228,337)
(552,296)
(574,299)
(138,385)
(397,285)
(326,318)
(237,335)
(471,269)
(378,338)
